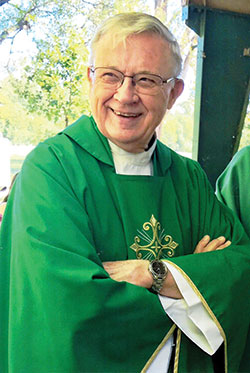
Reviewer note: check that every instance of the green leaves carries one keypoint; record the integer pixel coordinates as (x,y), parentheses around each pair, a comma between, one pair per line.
(52,84)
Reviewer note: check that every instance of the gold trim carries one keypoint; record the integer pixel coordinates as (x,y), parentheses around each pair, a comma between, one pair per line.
(161,345)
(177,351)
(206,307)
(225,352)
(155,248)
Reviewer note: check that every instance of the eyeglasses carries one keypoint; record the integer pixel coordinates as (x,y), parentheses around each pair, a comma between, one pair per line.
(149,84)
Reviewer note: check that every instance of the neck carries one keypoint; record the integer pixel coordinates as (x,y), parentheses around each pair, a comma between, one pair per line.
(151,142)
(130,148)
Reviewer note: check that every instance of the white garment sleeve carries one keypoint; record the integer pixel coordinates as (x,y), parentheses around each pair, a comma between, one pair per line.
(191,316)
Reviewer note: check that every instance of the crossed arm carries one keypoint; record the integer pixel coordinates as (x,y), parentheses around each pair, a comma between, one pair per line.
(136,271)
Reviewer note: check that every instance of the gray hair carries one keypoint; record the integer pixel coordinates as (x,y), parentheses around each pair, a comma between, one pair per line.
(123,25)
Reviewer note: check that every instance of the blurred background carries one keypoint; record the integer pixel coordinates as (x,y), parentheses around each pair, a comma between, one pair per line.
(44,50)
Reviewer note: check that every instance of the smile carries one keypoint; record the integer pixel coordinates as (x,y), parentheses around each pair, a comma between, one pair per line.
(126,115)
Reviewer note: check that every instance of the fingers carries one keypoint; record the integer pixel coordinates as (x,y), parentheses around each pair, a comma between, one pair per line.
(226,244)
(132,271)
(202,244)
(113,270)
(205,245)
(216,244)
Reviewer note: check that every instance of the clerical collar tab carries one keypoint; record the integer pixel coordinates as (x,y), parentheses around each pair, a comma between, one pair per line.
(151,142)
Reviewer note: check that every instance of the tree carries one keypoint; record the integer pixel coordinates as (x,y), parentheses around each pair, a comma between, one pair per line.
(179,120)
(19,126)
(53,82)
(26,15)
(161,9)
(245,137)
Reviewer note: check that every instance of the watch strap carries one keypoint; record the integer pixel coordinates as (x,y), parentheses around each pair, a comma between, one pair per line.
(158,276)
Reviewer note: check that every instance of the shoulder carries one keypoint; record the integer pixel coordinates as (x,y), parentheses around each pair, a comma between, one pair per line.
(239,166)
(184,171)
(179,161)
(244,152)
(185,161)
(62,145)
(241,157)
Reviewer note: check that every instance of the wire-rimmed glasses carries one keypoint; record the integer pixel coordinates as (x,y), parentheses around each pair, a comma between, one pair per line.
(144,83)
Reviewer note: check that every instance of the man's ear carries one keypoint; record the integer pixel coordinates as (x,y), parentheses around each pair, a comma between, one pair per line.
(89,75)
(176,91)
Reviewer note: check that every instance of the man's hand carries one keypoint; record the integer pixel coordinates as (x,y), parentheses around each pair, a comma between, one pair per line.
(133,271)
(205,245)
(136,271)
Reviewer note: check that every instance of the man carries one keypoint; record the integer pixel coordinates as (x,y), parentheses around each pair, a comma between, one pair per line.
(101,267)
(232,189)
(232,186)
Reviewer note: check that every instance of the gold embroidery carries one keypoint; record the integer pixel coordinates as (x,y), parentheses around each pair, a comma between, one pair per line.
(154,247)
(177,351)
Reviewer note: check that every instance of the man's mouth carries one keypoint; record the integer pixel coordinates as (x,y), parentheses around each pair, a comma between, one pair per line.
(126,115)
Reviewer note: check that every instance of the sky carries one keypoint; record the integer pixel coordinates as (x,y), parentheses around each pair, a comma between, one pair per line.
(24,46)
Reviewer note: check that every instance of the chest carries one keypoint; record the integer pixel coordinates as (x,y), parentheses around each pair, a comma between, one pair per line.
(140,216)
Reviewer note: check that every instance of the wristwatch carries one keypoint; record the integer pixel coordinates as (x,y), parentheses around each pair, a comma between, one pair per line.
(159,272)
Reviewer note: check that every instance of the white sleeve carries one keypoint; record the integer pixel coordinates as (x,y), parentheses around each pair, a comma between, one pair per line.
(191,316)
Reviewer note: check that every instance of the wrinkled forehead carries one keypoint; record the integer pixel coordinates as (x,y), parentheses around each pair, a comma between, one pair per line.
(108,42)
(143,51)
(116,38)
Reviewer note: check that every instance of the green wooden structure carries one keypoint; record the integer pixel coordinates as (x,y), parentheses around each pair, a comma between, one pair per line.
(223,79)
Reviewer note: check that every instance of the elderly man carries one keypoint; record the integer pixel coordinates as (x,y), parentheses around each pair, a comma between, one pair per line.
(106,262)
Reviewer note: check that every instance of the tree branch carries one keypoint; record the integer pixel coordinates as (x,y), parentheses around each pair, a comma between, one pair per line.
(2,2)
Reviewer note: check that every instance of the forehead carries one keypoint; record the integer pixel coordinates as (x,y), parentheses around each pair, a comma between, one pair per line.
(141,52)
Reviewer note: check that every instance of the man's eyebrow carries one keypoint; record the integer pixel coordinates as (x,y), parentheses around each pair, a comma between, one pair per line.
(139,72)
(110,67)
(147,72)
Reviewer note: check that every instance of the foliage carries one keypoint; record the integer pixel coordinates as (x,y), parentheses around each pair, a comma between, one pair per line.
(51,15)
(245,137)
(19,126)
(177,128)
(53,82)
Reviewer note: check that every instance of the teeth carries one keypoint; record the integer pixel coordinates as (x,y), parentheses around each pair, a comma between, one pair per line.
(125,114)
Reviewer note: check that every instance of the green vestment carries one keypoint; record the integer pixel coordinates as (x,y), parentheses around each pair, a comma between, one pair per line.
(233,186)
(233,189)
(68,212)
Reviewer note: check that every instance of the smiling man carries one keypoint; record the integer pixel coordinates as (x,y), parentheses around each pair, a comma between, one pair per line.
(143,64)
(106,262)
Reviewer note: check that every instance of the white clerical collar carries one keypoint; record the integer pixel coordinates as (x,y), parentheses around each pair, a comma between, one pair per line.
(132,163)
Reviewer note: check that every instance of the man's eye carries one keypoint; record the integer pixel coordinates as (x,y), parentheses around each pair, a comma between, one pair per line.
(110,76)
(145,80)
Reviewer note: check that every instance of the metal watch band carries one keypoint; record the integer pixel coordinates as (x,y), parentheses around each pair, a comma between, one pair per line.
(158,275)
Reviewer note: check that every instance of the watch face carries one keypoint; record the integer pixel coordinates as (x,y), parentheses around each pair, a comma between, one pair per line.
(158,267)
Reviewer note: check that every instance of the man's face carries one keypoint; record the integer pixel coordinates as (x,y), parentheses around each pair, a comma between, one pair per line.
(123,115)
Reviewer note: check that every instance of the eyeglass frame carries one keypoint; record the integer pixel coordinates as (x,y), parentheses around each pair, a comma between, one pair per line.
(162,81)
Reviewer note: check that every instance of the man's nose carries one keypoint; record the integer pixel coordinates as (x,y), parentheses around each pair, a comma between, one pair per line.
(126,93)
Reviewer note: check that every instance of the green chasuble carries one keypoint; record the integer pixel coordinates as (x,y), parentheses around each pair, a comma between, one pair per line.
(68,212)
(233,189)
